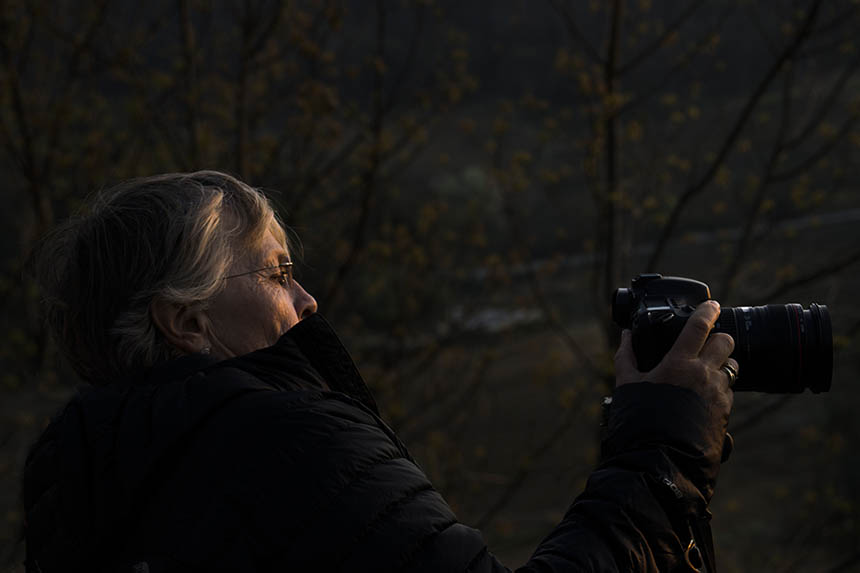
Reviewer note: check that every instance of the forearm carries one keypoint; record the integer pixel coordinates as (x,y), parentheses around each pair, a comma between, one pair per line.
(652,484)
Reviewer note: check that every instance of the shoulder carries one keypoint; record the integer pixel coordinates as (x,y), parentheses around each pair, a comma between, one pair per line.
(308,440)
(271,412)
(320,479)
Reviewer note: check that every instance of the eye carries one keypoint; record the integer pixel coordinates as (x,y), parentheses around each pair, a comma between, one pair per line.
(281,278)
(284,276)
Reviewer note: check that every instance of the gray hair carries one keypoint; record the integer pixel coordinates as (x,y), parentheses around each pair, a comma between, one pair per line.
(169,237)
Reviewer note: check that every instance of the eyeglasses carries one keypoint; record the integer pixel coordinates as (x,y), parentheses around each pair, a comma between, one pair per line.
(283,276)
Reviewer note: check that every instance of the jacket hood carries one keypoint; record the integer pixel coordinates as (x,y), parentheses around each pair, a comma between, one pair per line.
(88,475)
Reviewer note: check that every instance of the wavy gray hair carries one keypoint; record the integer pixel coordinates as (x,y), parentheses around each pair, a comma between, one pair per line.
(169,237)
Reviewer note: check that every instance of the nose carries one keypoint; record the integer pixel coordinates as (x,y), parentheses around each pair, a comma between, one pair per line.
(303,302)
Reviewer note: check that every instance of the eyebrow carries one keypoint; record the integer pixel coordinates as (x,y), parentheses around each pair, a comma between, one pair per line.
(279,255)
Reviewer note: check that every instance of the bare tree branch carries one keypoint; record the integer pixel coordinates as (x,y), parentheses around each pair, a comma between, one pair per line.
(524,473)
(551,316)
(609,212)
(270,23)
(734,133)
(186,33)
(682,62)
(742,248)
(815,275)
(841,19)
(818,154)
(574,32)
(368,183)
(826,106)
(658,43)
(420,422)
(755,18)
(760,415)
(65,91)
(240,110)
(408,63)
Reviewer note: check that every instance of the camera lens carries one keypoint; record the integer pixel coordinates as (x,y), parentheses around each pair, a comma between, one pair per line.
(780,348)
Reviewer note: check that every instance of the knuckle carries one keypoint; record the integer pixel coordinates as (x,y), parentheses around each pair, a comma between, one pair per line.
(726,340)
(701,373)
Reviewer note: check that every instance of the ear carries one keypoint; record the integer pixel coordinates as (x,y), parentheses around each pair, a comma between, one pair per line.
(184,328)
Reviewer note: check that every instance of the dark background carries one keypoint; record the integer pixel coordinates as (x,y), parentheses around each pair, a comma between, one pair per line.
(470,181)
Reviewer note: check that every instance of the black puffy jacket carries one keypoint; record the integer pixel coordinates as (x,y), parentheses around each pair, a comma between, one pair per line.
(278,461)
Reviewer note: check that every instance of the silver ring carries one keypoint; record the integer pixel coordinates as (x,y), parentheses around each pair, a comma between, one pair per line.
(730,372)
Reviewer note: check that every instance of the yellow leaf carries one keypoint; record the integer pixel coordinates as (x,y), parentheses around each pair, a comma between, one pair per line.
(522,156)
(468,125)
(826,129)
(562,59)
(567,398)
(500,126)
(379,65)
(634,131)
(723,177)
(669,99)
(585,83)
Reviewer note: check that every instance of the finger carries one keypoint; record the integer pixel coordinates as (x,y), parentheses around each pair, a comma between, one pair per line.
(695,332)
(734,364)
(717,349)
(625,361)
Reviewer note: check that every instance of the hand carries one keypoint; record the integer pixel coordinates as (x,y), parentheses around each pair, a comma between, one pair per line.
(693,362)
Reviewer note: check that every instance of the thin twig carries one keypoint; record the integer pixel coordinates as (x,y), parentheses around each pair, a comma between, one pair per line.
(654,46)
(516,483)
(369,177)
(813,276)
(575,33)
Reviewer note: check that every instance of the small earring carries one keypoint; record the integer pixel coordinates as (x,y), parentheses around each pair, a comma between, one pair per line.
(206,350)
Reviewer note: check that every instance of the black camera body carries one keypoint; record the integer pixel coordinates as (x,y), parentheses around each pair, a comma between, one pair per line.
(780,348)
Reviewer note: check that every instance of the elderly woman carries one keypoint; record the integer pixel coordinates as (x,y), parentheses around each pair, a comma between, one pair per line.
(225,427)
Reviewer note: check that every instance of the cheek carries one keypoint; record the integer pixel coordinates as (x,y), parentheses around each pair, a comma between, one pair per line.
(278,310)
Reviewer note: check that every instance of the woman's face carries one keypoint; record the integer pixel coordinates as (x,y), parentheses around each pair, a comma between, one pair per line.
(255,309)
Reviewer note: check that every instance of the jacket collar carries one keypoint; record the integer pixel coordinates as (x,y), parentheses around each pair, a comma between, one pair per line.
(180,368)
(309,355)
(320,345)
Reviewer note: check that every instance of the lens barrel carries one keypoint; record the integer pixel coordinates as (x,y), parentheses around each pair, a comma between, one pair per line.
(780,348)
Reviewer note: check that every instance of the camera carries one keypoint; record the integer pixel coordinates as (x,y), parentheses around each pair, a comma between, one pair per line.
(780,348)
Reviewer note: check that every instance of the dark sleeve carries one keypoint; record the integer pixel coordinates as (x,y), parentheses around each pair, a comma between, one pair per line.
(342,494)
(655,478)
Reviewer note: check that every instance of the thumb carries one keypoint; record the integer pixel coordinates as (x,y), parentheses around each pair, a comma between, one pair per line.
(626,370)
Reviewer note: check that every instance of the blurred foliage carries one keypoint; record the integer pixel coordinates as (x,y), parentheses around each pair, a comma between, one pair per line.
(469,185)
